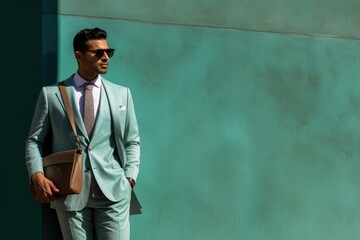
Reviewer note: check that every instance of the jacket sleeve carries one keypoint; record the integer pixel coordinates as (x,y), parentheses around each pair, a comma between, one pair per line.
(131,140)
(38,131)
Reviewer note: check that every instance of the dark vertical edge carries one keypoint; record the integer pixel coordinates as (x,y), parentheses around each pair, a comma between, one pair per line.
(49,42)
(50,229)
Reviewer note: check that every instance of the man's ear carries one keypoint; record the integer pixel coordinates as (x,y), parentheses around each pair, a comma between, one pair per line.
(78,56)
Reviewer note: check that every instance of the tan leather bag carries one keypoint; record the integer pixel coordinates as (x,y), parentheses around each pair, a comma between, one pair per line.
(64,169)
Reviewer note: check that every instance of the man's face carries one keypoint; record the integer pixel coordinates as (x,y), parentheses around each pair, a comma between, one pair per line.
(91,63)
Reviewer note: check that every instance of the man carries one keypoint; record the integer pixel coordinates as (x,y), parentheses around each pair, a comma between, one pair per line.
(110,144)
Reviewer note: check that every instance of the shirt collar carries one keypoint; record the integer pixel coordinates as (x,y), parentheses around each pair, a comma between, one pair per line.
(79,81)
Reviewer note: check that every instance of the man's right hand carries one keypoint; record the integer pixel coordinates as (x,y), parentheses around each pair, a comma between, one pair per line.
(44,188)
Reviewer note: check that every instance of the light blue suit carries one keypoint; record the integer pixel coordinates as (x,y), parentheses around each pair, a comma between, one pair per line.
(112,153)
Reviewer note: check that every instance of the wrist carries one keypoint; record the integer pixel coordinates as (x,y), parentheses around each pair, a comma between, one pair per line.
(36,176)
(131,181)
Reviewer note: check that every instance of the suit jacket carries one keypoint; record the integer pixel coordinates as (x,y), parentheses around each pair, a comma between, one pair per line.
(50,117)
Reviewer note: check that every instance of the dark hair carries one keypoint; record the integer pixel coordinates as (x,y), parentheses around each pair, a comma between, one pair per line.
(81,38)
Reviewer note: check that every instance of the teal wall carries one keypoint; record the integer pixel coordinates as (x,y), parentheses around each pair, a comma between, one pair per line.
(326,17)
(248,110)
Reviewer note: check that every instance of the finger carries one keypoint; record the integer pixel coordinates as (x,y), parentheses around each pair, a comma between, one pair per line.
(40,193)
(43,201)
(44,191)
(50,197)
(53,187)
(47,198)
(48,194)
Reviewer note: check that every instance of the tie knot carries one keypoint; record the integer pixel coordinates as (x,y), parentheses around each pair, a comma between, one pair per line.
(88,86)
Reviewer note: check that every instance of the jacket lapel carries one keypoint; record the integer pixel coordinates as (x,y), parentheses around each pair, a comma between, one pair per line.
(114,109)
(103,113)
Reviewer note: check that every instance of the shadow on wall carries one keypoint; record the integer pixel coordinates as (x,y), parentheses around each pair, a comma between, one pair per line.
(49,71)
(50,228)
(49,42)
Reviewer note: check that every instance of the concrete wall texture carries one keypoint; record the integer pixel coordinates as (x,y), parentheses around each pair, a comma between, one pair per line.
(248,111)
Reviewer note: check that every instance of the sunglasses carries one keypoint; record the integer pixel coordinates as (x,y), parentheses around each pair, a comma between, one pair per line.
(100,52)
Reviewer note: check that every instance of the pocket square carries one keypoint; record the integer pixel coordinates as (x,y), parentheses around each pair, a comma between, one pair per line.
(122,108)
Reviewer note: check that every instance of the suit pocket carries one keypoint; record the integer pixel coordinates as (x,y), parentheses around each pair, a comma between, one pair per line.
(115,164)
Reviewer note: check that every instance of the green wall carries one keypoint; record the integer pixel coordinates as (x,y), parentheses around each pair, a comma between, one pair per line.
(326,17)
(246,133)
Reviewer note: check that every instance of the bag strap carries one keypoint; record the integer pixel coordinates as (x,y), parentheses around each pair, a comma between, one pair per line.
(66,101)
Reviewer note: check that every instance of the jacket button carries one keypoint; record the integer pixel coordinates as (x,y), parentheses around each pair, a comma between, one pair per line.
(90,149)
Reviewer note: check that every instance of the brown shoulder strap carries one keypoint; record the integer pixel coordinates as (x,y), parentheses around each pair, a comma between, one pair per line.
(66,101)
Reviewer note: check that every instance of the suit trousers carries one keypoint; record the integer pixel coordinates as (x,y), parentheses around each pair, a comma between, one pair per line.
(101,219)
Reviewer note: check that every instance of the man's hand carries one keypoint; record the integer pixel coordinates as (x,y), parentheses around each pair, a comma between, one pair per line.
(44,189)
(131,181)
